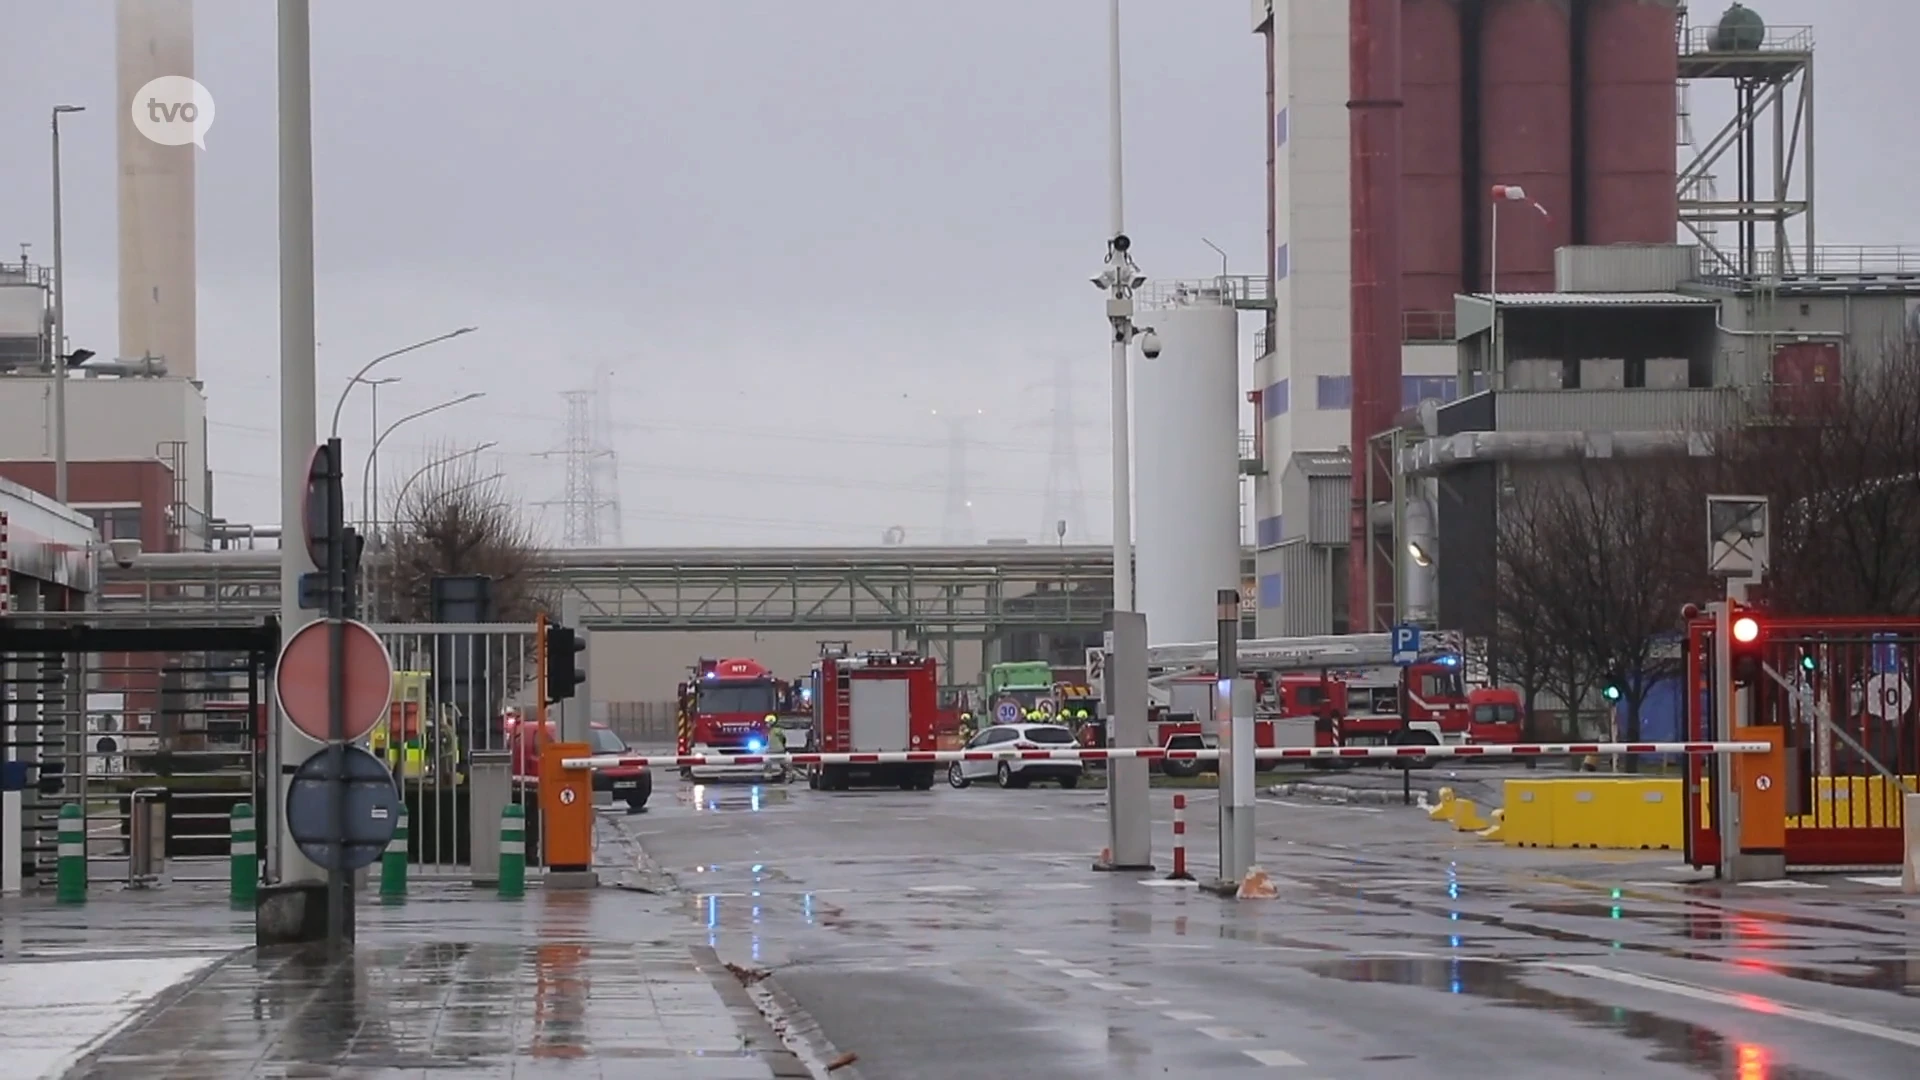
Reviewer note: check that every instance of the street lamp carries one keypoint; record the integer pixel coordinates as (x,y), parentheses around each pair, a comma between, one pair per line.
(59,319)
(367,470)
(1501,193)
(368,507)
(361,375)
(401,499)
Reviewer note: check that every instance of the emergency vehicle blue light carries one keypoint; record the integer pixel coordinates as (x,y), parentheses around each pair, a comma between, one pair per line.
(754,746)
(1448,660)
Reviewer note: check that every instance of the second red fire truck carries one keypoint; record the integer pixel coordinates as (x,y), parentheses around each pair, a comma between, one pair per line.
(874,702)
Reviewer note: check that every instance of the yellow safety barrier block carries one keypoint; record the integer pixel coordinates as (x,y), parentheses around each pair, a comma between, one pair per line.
(1444,809)
(1492,832)
(1466,816)
(1599,813)
(1529,814)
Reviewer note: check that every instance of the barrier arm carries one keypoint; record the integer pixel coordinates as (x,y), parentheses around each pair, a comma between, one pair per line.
(1156,753)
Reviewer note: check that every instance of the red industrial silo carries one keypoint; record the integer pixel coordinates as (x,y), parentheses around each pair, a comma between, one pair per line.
(1430,237)
(1526,92)
(1631,130)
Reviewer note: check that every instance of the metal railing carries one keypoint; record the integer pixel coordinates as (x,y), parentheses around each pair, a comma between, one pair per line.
(1229,289)
(453,685)
(1427,326)
(1703,40)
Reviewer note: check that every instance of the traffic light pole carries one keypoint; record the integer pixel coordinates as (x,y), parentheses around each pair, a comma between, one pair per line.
(1728,702)
(338,895)
(576,713)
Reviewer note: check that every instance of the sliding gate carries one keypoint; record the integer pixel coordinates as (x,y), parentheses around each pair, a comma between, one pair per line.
(1842,690)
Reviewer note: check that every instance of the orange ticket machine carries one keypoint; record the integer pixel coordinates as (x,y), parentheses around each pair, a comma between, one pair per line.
(566,808)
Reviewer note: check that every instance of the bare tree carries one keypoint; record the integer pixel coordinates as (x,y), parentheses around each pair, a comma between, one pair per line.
(1600,556)
(456,517)
(1840,465)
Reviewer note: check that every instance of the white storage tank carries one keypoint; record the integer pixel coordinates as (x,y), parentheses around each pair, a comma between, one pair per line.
(1186,451)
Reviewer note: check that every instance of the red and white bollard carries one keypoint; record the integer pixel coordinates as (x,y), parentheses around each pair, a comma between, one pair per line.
(1179,840)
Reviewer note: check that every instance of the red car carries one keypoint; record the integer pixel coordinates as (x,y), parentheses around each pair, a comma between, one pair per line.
(631,784)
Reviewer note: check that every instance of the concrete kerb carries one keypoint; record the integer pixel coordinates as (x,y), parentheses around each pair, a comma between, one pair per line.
(1425,792)
(757,1025)
(792,1042)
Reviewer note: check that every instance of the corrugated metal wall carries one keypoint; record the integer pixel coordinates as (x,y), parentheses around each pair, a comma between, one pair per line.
(1618,410)
(1327,501)
(1306,604)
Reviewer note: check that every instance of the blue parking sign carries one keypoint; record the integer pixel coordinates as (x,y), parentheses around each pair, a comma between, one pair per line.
(1886,653)
(1406,645)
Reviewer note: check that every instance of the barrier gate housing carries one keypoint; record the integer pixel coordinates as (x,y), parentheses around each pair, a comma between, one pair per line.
(1845,708)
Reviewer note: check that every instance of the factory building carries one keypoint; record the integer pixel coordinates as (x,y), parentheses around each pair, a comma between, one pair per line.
(1474,213)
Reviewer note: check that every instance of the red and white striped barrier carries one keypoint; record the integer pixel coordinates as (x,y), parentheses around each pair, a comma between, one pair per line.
(1158,753)
(1179,839)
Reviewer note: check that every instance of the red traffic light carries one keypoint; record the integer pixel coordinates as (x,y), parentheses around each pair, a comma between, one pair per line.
(1746,629)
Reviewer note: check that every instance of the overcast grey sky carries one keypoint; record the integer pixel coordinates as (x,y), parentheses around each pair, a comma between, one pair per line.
(789,229)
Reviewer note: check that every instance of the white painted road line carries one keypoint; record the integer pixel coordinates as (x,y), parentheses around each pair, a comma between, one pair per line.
(1883,882)
(1148,1003)
(1783,883)
(1745,1001)
(1054,962)
(1270,801)
(1033,952)
(1081,973)
(1166,883)
(1112,987)
(1059,886)
(1224,1034)
(1185,1017)
(1273,1057)
(943,889)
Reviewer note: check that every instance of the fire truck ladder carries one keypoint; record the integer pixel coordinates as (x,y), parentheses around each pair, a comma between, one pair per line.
(1296,654)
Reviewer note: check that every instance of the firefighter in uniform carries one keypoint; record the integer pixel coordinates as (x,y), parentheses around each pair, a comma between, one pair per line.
(966,728)
(777,743)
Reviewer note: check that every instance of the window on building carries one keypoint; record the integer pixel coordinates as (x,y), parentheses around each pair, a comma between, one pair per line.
(1415,389)
(1273,402)
(1267,533)
(1281,264)
(1333,392)
(116,522)
(1280,128)
(1271,591)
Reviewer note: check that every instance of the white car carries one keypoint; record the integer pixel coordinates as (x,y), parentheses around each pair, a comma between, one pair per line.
(1014,772)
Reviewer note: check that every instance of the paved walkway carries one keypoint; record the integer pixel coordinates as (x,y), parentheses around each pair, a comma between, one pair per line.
(565,984)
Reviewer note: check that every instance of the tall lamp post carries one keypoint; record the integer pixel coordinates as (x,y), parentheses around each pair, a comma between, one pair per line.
(401,499)
(59,319)
(1501,193)
(369,506)
(366,471)
(1120,278)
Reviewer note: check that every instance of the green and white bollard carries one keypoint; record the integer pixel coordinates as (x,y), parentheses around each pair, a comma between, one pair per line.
(72,884)
(393,865)
(243,856)
(513,852)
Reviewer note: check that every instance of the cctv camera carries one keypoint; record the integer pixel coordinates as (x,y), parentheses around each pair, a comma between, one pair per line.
(124,552)
(1121,243)
(1150,344)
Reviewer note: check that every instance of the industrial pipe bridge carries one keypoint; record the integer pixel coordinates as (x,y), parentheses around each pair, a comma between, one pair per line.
(973,591)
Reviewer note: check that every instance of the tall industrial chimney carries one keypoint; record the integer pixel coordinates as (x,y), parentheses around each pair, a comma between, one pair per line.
(157,266)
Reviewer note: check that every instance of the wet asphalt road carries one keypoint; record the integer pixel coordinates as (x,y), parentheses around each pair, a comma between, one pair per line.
(960,934)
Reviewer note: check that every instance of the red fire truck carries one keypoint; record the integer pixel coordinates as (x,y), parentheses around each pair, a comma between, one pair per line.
(725,708)
(874,703)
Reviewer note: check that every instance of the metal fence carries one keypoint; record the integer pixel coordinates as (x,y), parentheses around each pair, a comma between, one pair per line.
(106,728)
(458,689)
(1843,693)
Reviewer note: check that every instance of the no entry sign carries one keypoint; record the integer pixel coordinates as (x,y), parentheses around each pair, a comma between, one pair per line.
(300,680)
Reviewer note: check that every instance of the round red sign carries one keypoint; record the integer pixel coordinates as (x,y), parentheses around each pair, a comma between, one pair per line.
(300,680)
